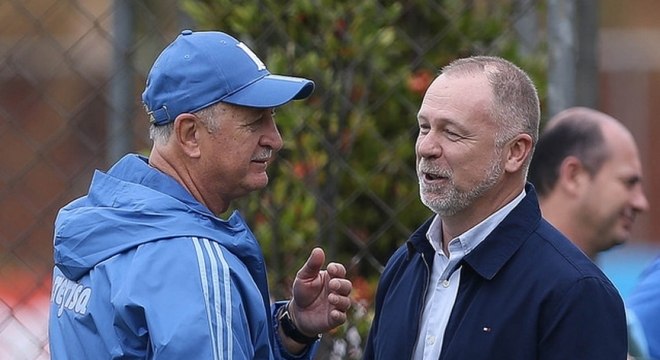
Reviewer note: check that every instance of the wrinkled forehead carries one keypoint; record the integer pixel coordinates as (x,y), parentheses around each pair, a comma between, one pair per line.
(465,98)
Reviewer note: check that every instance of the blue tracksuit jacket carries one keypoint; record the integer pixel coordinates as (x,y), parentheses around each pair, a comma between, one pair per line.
(644,303)
(525,293)
(144,271)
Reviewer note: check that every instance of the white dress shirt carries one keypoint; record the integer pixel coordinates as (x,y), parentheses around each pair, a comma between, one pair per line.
(445,277)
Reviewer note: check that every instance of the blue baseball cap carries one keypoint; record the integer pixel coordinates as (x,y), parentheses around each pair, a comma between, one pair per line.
(202,68)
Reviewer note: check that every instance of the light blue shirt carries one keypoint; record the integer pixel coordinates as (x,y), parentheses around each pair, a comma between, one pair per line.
(445,278)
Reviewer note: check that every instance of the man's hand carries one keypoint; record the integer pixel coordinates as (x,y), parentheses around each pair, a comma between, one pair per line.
(320,297)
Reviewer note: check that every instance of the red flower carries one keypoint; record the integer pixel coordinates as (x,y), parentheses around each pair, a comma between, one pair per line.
(419,81)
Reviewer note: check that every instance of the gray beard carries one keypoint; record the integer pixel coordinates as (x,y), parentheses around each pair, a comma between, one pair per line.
(449,200)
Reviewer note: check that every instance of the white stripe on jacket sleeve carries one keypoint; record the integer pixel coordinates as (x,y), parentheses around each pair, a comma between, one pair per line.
(216,285)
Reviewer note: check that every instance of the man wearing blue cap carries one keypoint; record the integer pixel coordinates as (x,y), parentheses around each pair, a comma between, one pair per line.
(146,268)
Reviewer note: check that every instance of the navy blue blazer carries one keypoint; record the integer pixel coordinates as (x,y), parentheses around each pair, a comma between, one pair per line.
(526,292)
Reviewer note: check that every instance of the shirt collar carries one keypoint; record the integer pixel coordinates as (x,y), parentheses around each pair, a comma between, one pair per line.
(475,235)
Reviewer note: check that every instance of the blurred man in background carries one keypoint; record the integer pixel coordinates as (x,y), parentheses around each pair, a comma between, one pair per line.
(588,175)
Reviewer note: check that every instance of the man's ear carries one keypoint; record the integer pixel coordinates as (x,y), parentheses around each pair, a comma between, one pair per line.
(187,129)
(518,150)
(572,175)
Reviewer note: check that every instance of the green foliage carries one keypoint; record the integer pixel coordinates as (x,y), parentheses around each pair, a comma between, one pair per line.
(346,176)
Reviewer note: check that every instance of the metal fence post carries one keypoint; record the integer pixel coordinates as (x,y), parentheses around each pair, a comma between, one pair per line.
(587,59)
(562,51)
(526,26)
(119,135)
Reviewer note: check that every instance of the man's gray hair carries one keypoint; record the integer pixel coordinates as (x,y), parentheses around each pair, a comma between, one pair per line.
(516,107)
(160,134)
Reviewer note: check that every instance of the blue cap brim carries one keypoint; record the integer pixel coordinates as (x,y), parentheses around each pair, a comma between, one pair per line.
(271,91)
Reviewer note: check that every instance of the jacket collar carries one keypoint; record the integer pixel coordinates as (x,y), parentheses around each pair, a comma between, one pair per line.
(418,243)
(499,246)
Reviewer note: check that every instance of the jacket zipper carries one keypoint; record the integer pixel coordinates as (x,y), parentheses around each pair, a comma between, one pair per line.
(421,310)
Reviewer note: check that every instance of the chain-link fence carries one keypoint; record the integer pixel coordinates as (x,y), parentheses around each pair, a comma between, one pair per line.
(71,73)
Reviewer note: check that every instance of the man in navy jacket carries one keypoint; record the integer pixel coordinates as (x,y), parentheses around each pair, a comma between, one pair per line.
(487,277)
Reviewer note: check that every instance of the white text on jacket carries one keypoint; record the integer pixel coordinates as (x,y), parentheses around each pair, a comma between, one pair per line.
(70,295)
